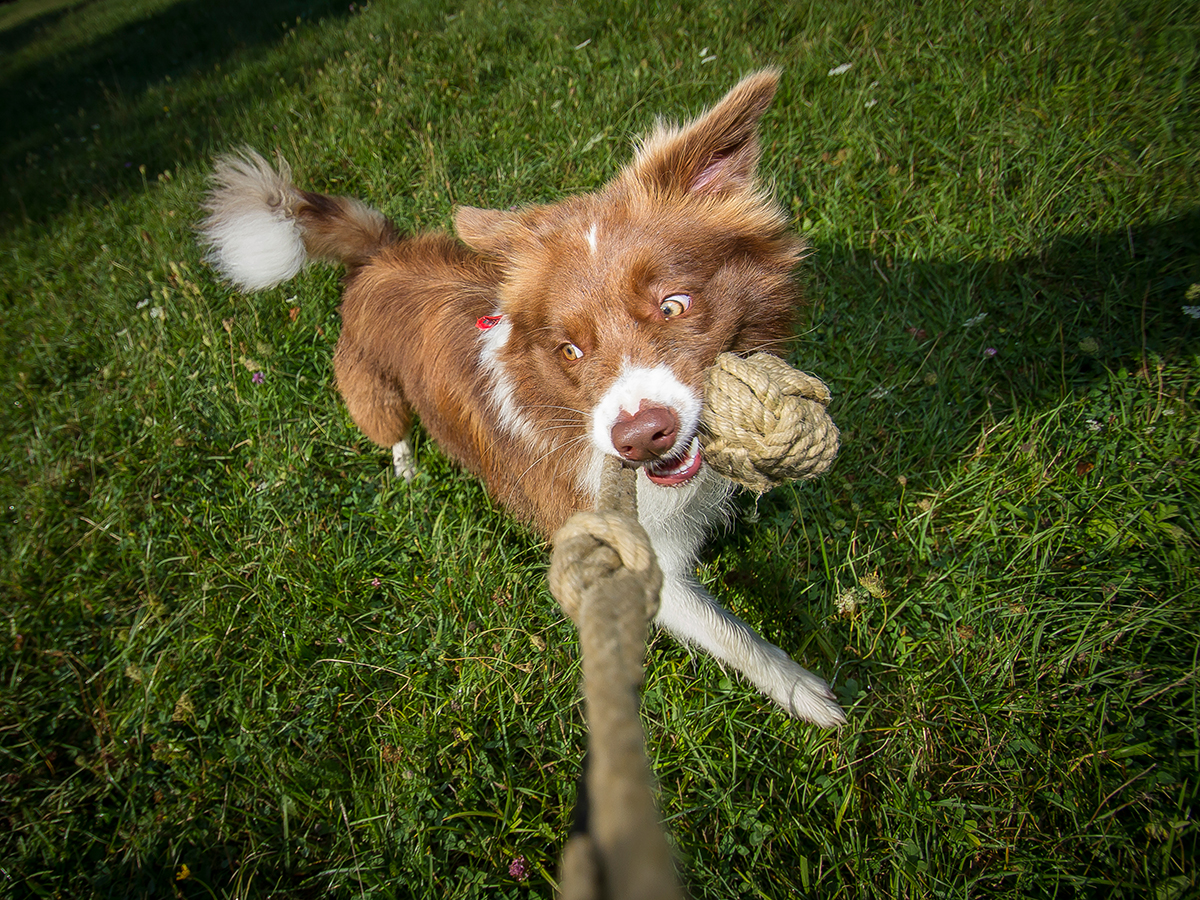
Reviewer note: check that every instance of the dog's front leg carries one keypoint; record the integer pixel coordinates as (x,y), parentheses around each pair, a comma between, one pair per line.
(694,616)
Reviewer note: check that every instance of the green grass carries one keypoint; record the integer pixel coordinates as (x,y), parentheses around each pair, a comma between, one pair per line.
(232,642)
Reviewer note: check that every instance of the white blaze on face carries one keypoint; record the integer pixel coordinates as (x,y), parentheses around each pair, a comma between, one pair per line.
(637,385)
(592,242)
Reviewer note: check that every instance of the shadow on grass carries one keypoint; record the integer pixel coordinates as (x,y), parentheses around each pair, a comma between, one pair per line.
(915,385)
(76,123)
(1025,331)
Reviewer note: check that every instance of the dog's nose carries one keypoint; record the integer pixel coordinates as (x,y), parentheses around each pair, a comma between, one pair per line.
(646,435)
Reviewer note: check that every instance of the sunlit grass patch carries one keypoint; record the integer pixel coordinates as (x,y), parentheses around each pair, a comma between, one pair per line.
(240,658)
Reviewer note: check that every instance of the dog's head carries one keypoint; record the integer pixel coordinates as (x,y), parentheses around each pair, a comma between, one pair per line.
(614,304)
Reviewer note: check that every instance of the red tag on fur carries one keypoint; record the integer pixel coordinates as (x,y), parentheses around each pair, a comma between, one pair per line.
(488,322)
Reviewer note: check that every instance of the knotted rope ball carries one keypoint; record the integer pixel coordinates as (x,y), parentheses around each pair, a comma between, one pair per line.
(766,423)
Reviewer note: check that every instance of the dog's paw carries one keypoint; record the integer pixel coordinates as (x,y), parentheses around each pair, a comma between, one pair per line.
(811,699)
(806,696)
(402,461)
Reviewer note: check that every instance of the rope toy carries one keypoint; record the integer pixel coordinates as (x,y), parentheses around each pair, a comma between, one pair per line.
(766,423)
(604,575)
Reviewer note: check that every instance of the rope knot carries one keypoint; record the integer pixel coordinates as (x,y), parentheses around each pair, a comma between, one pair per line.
(594,549)
(765,423)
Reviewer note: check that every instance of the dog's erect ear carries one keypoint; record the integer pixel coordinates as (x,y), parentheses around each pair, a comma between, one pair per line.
(716,153)
(487,230)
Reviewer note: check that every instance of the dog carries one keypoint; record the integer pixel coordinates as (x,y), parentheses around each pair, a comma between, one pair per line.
(547,338)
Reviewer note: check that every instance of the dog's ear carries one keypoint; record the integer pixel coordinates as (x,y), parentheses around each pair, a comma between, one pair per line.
(490,231)
(716,153)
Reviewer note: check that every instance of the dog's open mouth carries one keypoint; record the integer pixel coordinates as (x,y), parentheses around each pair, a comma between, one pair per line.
(674,472)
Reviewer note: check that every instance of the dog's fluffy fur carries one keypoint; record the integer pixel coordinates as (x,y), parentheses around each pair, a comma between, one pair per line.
(553,336)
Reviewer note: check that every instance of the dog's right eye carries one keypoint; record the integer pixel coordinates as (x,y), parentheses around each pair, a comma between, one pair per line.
(570,352)
(675,305)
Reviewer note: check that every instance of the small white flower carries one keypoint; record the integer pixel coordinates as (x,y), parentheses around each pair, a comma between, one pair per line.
(1093,425)
(1193,311)
(974,320)
(849,600)
(156,312)
(840,70)
(870,103)
(142,304)
(708,59)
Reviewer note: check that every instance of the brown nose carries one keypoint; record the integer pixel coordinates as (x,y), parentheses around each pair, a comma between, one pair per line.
(647,435)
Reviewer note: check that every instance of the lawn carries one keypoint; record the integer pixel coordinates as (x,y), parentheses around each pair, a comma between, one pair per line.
(239,658)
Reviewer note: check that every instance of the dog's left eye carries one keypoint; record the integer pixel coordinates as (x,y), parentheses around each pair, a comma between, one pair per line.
(675,305)
(571,352)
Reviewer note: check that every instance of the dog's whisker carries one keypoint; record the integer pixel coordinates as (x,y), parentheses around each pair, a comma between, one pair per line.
(553,450)
(561,457)
(775,344)
(579,412)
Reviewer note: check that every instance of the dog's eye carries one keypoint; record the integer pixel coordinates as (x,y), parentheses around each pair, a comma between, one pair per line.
(570,352)
(675,305)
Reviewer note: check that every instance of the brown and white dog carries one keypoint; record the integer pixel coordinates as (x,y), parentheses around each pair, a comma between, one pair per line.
(554,336)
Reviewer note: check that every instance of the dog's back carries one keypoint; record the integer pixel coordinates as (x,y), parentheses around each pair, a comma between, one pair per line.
(409,313)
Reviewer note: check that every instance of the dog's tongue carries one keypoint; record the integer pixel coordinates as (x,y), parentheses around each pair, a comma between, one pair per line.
(670,473)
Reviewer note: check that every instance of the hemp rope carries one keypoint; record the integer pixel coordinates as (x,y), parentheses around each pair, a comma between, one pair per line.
(604,575)
(764,423)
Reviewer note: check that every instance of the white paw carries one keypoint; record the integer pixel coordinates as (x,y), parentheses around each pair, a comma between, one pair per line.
(402,461)
(806,696)
(802,694)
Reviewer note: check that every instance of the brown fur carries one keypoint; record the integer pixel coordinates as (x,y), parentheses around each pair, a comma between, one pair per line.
(611,308)
(409,314)
(686,215)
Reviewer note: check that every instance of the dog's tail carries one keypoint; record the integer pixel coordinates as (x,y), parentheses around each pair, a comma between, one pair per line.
(261,229)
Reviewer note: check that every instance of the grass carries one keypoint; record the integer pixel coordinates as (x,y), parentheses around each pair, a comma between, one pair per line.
(240,660)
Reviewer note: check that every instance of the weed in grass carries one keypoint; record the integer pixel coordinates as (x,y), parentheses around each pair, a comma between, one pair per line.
(240,659)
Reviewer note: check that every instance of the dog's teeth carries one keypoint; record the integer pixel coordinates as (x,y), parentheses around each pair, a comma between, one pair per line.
(667,468)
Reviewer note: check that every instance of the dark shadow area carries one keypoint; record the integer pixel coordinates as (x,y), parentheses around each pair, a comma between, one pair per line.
(71,128)
(1054,325)
(14,38)
(1048,322)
